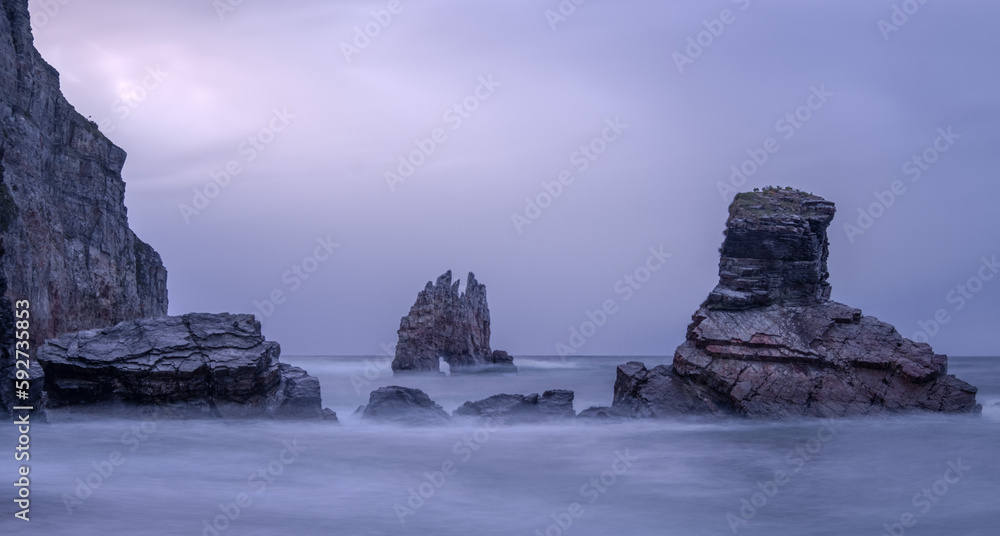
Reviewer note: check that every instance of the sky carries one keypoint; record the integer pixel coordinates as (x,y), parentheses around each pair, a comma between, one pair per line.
(316,163)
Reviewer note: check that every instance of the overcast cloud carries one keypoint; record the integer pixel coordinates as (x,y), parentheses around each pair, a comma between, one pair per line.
(529,97)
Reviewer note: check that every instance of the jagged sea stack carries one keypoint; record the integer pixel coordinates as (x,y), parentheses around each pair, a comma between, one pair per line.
(456,327)
(769,342)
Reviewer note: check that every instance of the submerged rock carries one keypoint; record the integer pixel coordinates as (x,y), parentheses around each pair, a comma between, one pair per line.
(201,365)
(442,323)
(555,404)
(768,342)
(402,405)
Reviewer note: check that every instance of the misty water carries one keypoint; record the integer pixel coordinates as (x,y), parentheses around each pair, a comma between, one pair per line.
(686,478)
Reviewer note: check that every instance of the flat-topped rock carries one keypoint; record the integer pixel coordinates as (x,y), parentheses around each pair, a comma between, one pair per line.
(551,405)
(775,251)
(213,365)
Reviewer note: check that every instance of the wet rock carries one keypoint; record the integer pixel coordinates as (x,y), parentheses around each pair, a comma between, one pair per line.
(555,404)
(659,392)
(768,342)
(201,365)
(403,405)
(456,327)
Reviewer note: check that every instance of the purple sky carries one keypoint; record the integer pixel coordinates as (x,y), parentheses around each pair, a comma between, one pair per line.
(313,117)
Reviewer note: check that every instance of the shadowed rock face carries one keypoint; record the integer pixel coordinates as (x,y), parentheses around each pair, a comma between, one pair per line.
(62,203)
(775,251)
(201,365)
(456,327)
(768,342)
(555,404)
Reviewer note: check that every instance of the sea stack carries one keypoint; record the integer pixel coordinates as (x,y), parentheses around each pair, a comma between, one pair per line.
(769,343)
(455,327)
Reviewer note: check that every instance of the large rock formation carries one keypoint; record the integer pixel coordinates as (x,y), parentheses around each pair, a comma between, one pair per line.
(552,405)
(402,405)
(62,202)
(443,323)
(70,251)
(768,342)
(203,365)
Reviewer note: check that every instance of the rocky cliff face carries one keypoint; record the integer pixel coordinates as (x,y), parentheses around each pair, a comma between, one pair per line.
(62,213)
(443,323)
(768,342)
(198,365)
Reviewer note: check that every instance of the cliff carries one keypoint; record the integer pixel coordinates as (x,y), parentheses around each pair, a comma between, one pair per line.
(69,249)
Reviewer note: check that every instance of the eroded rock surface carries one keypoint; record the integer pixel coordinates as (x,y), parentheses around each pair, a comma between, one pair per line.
(70,251)
(202,365)
(504,408)
(768,342)
(403,405)
(456,327)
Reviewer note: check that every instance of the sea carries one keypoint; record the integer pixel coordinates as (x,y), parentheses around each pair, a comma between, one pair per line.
(915,474)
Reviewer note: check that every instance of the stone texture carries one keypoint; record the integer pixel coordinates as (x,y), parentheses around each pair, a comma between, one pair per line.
(775,251)
(456,327)
(402,405)
(768,342)
(660,392)
(504,408)
(214,365)
(62,212)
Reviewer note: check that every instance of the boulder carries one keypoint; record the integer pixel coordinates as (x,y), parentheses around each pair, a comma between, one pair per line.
(551,405)
(201,365)
(769,343)
(402,405)
(455,327)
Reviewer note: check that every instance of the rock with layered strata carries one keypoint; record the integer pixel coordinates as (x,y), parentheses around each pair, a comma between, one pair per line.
(200,365)
(769,343)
